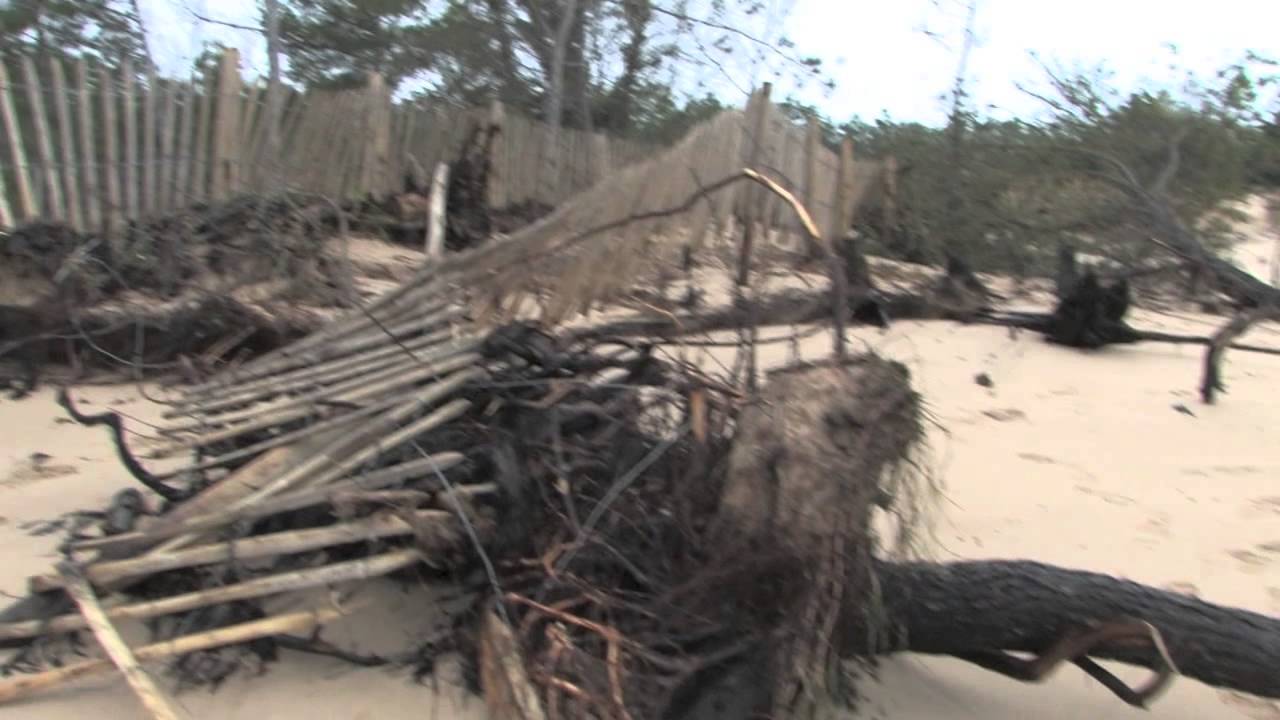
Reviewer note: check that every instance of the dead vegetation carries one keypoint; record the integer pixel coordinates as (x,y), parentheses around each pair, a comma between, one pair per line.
(633,537)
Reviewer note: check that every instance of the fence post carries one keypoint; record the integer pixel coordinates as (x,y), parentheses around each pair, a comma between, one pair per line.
(812,150)
(130,140)
(201,175)
(149,144)
(377,136)
(111,157)
(68,174)
(13,132)
(44,144)
(601,157)
(165,167)
(748,201)
(92,196)
(499,160)
(249,168)
(226,130)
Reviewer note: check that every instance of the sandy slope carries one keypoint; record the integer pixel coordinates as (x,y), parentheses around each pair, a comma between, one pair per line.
(1074,458)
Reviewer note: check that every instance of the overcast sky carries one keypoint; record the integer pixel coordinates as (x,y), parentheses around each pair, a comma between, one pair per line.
(883,61)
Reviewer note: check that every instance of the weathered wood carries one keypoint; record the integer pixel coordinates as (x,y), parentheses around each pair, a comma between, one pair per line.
(53,206)
(92,195)
(225,157)
(1022,606)
(16,688)
(322,373)
(318,464)
(129,117)
(27,207)
(111,134)
(355,392)
(167,195)
(257,547)
(125,543)
(203,142)
(325,575)
(66,132)
(377,157)
(812,147)
(253,101)
(155,700)
(6,213)
(150,191)
(1211,379)
(508,692)
(436,219)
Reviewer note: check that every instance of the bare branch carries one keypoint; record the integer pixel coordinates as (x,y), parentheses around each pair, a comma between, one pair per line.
(224,23)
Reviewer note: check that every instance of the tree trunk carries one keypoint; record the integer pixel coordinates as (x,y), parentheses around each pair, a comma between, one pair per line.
(1019,605)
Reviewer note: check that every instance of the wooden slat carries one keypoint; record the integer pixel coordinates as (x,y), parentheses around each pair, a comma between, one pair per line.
(66,134)
(166,167)
(53,208)
(182,171)
(249,162)
(13,134)
(321,150)
(149,138)
(263,175)
(130,117)
(226,127)
(377,136)
(292,136)
(111,137)
(200,170)
(92,195)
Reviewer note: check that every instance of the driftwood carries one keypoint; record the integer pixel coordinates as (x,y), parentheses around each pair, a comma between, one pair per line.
(12,689)
(970,609)
(144,686)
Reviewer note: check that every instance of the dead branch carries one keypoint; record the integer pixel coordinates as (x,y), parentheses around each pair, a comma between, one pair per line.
(1022,606)
(1211,383)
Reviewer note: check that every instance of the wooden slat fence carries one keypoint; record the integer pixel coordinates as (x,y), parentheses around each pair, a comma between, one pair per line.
(94,146)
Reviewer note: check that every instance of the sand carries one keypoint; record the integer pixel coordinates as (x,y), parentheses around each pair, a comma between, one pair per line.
(1102,461)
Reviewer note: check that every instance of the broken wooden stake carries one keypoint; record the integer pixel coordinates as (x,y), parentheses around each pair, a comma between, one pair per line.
(155,700)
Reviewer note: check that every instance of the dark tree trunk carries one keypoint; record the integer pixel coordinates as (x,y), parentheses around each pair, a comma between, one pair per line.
(966,607)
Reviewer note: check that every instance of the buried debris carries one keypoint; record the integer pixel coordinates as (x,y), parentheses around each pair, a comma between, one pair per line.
(638,539)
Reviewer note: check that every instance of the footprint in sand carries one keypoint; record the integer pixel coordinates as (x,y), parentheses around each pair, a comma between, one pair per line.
(1269,504)
(36,468)
(1251,707)
(1157,524)
(1104,496)
(1005,414)
(1236,469)
(1251,561)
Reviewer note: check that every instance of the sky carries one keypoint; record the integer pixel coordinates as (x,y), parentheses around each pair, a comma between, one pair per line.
(881,54)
